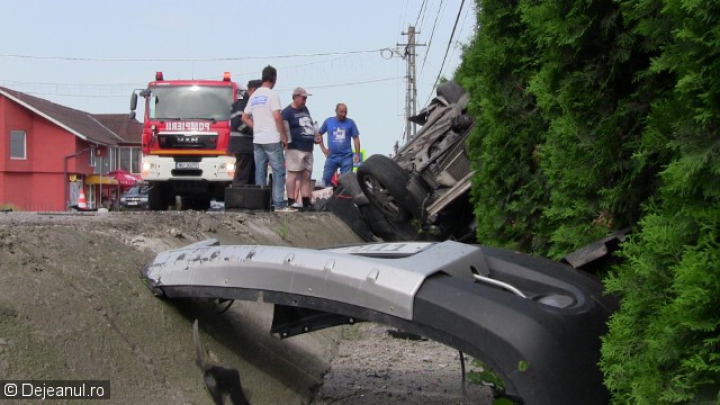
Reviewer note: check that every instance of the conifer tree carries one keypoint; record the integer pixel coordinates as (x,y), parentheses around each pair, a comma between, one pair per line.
(600,115)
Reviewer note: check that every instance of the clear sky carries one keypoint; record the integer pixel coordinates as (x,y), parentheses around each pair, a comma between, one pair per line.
(91,54)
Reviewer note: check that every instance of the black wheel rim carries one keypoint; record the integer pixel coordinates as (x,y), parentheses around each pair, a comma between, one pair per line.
(382,198)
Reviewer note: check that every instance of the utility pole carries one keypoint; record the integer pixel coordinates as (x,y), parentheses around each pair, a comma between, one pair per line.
(411,93)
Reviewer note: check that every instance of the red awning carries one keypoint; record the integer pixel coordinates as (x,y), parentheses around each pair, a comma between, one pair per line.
(125,178)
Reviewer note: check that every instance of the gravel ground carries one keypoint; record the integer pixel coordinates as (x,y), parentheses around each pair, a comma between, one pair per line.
(374,367)
(72,307)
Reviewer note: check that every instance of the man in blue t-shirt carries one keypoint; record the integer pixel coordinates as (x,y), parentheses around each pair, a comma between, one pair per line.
(299,152)
(339,153)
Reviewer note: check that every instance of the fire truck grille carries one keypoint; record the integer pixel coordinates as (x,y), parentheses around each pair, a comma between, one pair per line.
(181,141)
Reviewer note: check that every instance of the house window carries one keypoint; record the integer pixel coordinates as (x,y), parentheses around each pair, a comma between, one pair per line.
(109,160)
(17,145)
(103,159)
(136,160)
(125,159)
(129,159)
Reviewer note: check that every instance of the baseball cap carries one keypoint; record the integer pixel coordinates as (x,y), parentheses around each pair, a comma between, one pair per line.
(299,91)
(254,84)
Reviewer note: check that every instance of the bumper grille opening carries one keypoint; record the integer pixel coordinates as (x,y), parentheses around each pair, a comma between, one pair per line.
(186,173)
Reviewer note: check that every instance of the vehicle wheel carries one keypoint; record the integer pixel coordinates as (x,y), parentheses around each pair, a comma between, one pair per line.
(461,123)
(387,230)
(450,91)
(377,222)
(156,199)
(384,183)
(417,194)
(201,204)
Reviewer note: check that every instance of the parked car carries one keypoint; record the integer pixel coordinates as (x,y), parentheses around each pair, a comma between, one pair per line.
(136,197)
(427,183)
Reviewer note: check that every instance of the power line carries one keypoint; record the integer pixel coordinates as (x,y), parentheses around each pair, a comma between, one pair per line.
(324,86)
(452,35)
(37,94)
(420,13)
(432,33)
(462,27)
(88,88)
(11,82)
(232,58)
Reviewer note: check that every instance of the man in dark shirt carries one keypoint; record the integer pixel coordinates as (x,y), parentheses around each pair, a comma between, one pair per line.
(299,153)
(241,140)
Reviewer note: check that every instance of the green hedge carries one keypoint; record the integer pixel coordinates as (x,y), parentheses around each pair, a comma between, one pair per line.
(598,115)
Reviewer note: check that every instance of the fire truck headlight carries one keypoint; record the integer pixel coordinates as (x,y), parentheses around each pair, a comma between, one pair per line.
(147,166)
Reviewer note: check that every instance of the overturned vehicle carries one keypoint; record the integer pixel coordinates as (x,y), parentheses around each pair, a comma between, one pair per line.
(424,189)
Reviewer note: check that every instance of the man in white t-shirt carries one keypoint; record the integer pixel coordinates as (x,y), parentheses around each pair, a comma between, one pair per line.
(262,113)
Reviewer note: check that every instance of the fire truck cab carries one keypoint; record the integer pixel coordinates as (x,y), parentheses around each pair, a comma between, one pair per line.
(186,130)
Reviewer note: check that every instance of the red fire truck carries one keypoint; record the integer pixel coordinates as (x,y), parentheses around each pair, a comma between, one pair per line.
(186,130)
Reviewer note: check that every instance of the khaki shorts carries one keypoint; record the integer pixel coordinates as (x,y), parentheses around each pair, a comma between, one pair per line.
(297,160)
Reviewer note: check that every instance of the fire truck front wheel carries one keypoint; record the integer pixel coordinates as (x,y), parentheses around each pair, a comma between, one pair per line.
(157,198)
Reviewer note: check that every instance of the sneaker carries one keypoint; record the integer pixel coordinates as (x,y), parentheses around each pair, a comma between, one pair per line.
(285,209)
(297,204)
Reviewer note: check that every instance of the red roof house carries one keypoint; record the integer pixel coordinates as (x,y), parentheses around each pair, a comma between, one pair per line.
(49,153)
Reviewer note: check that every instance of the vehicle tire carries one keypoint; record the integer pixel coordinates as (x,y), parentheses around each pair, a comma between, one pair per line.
(377,222)
(384,183)
(462,122)
(417,193)
(198,204)
(383,228)
(156,198)
(450,91)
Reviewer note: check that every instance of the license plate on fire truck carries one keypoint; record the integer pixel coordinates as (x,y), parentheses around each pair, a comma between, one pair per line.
(187,165)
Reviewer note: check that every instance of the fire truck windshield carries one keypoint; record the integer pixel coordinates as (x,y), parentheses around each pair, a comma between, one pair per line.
(190,102)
